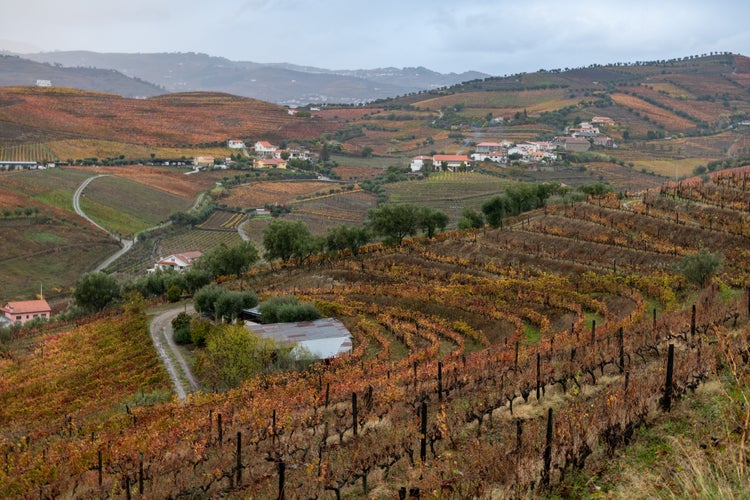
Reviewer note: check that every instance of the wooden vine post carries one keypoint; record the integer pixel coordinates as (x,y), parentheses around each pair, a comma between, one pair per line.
(354,412)
(538,375)
(547,450)
(218,424)
(692,323)
(423,434)
(140,474)
(622,349)
(282,472)
(666,400)
(239,458)
(440,381)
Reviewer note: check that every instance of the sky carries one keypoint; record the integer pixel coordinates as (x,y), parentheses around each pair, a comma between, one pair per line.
(497,37)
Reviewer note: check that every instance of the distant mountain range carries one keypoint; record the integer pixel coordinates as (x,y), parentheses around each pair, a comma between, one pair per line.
(144,75)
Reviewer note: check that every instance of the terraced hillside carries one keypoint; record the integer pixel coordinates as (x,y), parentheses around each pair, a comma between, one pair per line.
(496,362)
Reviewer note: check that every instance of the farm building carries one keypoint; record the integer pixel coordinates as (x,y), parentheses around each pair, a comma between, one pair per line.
(576,144)
(602,121)
(178,261)
(17,165)
(452,163)
(324,338)
(269,163)
(27,310)
(203,161)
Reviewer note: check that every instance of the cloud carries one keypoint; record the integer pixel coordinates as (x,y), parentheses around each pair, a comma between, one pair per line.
(495,36)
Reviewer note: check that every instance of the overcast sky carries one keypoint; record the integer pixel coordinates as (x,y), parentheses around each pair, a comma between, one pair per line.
(493,36)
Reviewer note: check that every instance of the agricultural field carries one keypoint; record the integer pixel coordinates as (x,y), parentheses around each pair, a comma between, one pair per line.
(657,115)
(670,168)
(348,207)
(76,149)
(174,120)
(28,152)
(51,190)
(49,254)
(223,220)
(353,171)
(97,369)
(196,239)
(171,180)
(127,207)
(450,192)
(258,194)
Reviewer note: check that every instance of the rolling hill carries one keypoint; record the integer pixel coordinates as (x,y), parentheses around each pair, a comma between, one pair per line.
(52,113)
(16,71)
(281,83)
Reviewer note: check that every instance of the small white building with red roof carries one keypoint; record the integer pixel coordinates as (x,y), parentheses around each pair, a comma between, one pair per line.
(177,261)
(26,310)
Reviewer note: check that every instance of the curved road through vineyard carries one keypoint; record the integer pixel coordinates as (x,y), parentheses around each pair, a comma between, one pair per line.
(126,244)
(161,326)
(182,378)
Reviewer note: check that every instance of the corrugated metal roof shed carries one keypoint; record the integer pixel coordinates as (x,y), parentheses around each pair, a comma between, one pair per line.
(324,338)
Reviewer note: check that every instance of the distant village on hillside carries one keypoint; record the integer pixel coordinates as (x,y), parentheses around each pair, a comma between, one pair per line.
(539,153)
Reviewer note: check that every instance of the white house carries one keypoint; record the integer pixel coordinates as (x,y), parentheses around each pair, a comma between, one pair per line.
(584,129)
(265,149)
(235,144)
(418,162)
(178,261)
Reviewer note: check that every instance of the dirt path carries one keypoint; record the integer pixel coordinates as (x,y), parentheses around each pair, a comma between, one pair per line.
(161,334)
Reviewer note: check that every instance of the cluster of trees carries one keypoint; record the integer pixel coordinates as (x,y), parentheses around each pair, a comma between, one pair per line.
(191,218)
(394,222)
(517,199)
(292,240)
(233,353)
(222,303)
(287,309)
(18,212)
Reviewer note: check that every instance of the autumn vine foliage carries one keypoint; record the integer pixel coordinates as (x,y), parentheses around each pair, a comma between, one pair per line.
(484,364)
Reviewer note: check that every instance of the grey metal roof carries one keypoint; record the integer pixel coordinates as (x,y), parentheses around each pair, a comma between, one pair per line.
(324,338)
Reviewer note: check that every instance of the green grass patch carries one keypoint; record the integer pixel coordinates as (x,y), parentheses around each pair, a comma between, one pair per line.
(45,237)
(591,317)
(532,333)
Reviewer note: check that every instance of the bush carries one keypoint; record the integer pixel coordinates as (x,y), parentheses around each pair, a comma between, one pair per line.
(174,293)
(218,302)
(199,329)
(287,309)
(181,328)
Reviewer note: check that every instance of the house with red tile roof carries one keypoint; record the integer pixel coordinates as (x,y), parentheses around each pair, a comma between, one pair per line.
(27,310)
(452,163)
(264,149)
(178,261)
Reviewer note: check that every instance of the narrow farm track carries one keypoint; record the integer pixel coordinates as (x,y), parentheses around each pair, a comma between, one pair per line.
(161,334)
(126,244)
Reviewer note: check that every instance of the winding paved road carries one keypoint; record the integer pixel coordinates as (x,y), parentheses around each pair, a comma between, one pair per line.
(182,377)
